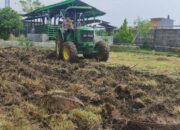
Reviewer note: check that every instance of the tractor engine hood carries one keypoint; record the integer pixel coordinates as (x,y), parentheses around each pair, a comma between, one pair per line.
(85,28)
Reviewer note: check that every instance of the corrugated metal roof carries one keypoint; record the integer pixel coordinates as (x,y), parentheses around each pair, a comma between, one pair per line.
(53,9)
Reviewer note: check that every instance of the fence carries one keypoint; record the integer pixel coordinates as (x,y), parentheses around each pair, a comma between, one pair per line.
(162,38)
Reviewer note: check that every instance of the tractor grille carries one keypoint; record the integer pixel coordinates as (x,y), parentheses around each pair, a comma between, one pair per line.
(87,36)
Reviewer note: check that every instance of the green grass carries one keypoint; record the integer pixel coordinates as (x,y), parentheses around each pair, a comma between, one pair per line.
(86,117)
(135,49)
(1,47)
(177,110)
(167,63)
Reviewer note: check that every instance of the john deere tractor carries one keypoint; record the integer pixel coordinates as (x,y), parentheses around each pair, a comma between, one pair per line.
(81,39)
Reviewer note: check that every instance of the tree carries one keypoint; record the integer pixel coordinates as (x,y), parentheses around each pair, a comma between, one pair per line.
(10,20)
(142,27)
(30,5)
(123,35)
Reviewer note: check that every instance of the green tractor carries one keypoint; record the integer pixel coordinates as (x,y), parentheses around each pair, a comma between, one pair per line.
(81,39)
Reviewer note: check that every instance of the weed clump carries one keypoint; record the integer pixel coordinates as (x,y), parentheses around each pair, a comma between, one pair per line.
(87,119)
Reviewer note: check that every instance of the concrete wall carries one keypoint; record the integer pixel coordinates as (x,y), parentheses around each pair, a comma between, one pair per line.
(9,43)
(38,37)
(163,39)
(167,38)
(49,44)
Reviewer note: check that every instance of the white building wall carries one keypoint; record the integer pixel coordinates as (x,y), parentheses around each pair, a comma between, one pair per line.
(166,24)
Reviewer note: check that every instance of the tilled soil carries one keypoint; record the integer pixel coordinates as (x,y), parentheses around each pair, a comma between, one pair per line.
(36,90)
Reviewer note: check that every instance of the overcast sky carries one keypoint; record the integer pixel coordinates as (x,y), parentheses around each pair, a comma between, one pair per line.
(118,10)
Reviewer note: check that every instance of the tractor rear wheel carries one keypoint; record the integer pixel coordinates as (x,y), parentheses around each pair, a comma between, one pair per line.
(58,48)
(69,52)
(102,49)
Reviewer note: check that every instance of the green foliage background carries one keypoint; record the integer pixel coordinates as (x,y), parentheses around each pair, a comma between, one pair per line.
(142,29)
(30,5)
(123,34)
(143,26)
(10,20)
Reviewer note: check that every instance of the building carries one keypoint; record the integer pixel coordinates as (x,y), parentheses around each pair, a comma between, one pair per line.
(162,23)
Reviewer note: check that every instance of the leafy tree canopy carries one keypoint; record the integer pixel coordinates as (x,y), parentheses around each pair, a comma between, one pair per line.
(142,25)
(30,5)
(10,20)
(123,35)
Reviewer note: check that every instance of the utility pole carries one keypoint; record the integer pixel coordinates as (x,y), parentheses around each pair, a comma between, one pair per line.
(7,3)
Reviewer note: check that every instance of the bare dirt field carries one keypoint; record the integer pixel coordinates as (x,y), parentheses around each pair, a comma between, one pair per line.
(39,92)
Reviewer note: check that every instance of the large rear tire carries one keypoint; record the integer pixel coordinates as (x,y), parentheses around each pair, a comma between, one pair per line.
(59,46)
(69,52)
(102,49)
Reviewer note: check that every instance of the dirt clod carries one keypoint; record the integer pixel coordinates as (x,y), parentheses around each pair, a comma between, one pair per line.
(59,101)
(138,103)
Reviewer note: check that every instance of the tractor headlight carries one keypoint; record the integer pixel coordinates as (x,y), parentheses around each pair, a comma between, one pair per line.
(87,36)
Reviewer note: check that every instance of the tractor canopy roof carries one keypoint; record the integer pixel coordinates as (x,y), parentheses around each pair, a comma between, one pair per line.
(79,8)
(67,5)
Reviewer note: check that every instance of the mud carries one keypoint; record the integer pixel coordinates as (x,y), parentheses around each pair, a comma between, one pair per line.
(130,100)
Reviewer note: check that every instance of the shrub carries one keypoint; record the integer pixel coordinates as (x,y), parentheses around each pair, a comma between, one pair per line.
(123,35)
(147,46)
(23,41)
(177,51)
(10,20)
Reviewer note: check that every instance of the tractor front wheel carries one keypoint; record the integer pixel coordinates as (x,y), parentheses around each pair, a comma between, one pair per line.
(69,52)
(102,49)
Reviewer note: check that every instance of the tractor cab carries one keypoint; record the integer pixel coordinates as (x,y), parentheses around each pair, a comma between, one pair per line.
(80,32)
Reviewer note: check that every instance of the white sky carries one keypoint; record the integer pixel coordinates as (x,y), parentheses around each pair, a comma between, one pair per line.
(118,10)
